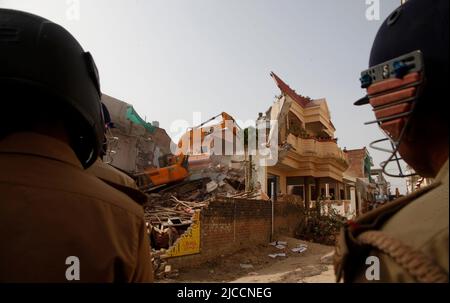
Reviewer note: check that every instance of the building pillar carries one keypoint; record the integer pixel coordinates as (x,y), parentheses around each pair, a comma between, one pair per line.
(307,191)
(262,175)
(354,200)
(338,192)
(318,190)
(283,185)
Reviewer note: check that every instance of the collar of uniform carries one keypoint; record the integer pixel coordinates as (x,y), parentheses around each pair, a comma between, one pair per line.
(34,144)
(443,173)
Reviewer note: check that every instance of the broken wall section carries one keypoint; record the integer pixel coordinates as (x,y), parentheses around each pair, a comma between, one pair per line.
(229,225)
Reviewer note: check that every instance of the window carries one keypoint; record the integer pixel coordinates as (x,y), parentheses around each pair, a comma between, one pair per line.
(297,190)
(312,193)
(333,194)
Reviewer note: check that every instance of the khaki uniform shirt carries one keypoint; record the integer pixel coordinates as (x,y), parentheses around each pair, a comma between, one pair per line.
(413,242)
(106,172)
(119,180)
(51,209)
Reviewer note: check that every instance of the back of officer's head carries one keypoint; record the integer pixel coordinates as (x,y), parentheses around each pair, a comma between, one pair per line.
(47,80)
(421,25)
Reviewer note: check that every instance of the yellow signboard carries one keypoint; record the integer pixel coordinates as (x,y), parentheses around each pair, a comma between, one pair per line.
(189,242)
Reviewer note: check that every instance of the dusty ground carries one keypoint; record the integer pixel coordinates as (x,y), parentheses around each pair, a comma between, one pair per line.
(308,267)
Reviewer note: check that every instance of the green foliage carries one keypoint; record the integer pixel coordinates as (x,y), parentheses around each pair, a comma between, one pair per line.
(318,228)
(298,131)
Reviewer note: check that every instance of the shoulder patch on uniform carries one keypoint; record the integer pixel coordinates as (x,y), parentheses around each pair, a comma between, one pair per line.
(416,263)
(349,249)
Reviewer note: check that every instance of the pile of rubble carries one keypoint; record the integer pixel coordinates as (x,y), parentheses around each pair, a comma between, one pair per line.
(175,206)
(168,218)
(162,269)
(182,200)
(225,175)
(169,211)
(162,209)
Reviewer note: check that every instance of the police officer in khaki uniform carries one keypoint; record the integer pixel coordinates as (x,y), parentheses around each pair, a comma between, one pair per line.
(407,84)
(58,223)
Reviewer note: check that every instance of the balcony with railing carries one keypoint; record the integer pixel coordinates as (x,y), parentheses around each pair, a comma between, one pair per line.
(317,147)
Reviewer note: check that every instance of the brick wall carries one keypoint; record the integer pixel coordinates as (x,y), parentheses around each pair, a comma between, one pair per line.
(229,225)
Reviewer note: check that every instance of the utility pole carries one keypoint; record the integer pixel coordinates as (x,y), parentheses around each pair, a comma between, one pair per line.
(273,187)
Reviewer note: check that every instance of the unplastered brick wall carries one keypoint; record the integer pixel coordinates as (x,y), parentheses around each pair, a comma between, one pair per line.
(229,225)
(287,218)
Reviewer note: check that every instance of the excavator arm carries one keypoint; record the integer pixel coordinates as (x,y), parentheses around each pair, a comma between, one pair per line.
(177,169)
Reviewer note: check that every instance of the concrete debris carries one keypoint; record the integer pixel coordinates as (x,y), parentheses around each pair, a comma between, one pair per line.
(167,269)
(162,208)
(300,249)
(212,186)
(274,256)
(169,218)
(162,269)
(278,243)
(218,169)
(163,238)
(170,209)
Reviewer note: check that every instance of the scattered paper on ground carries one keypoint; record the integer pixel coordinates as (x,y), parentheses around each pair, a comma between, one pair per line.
(311,266)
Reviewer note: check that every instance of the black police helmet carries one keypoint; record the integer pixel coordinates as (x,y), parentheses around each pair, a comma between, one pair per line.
(42,62)
(417,25)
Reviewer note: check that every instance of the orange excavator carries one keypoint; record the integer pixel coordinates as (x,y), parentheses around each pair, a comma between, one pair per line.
(176,167)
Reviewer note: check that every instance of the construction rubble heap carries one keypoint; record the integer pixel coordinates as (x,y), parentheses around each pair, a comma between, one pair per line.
(169,212)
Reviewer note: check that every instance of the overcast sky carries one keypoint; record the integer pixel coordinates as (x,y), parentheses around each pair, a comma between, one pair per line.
(170,58)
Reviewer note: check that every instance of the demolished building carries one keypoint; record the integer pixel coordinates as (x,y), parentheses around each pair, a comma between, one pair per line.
(369,186)
(311,165)
(359,176)
(133,144)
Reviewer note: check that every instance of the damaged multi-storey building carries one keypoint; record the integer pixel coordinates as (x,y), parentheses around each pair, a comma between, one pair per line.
(359,176)
(369,187)
(133,144)
(311,164)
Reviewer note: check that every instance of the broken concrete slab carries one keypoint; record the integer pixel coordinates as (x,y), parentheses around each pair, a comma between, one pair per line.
(276,243)
(212,186)
(281,255)
(300,248)
(167,269)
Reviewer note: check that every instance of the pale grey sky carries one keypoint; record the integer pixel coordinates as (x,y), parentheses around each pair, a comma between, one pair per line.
(170,58)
